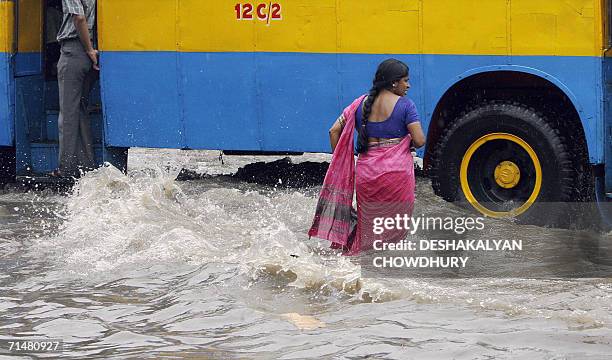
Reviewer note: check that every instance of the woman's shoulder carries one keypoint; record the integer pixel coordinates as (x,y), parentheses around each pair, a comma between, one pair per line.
(408,106)
(359,101)
(406,101)
(409,110)
(354,106)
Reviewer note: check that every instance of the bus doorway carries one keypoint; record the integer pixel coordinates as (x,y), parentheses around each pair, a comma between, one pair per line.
(36,90)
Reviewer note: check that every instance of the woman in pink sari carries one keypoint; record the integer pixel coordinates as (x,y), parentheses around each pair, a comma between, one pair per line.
(387,124)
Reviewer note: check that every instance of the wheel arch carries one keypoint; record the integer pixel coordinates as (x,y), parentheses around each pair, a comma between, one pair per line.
(504,82)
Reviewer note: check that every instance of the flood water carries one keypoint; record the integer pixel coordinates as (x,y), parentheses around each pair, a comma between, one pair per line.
(143,266)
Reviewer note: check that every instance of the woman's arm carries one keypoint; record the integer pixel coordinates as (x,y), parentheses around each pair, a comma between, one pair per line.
(413,123)
(418,138)
(335,132)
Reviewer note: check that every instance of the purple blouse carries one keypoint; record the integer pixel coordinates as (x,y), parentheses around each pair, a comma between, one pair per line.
(404,113)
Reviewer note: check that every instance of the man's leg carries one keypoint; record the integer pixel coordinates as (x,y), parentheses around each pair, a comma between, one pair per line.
(86,151)
(72,69)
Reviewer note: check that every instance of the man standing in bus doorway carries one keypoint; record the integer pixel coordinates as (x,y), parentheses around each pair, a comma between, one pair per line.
(77,71)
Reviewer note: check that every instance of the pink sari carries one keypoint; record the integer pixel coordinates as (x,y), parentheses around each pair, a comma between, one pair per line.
(385,189)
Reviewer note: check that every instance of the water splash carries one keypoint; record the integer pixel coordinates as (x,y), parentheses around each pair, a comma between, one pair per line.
(113,222)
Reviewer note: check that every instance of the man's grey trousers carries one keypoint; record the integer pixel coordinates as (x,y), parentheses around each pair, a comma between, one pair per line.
(76,77)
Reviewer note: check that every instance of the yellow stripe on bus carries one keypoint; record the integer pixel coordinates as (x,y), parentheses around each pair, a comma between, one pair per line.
(569,27)
(470,27)
(30,25)
(6,26)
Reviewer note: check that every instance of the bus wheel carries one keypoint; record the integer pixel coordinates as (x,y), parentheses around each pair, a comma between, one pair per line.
(505,160)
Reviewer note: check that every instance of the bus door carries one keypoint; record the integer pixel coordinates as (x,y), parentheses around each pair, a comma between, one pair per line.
(607,73)
(28,80)
(7,131)
(36,88)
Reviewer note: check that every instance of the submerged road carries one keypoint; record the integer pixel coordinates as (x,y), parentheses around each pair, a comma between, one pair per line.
(144,265)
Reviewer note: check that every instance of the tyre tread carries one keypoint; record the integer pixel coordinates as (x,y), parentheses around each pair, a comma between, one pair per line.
(569,176)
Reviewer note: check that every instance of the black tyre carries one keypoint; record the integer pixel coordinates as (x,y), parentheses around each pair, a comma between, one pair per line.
(505,160)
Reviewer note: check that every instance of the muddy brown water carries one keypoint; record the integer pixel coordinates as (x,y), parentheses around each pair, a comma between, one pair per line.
(143,266)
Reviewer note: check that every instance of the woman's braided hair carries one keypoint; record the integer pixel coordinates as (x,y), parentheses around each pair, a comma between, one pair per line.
(388,72)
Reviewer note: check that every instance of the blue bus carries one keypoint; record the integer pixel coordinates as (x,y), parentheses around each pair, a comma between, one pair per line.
(514,95)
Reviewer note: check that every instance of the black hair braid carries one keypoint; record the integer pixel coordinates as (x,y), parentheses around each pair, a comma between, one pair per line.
(362,139)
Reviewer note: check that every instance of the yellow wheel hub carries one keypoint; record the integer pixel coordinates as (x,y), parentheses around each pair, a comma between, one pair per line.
(507,174)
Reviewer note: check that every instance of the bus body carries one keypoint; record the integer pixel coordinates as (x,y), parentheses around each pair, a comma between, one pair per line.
(272,77)
(6,42)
